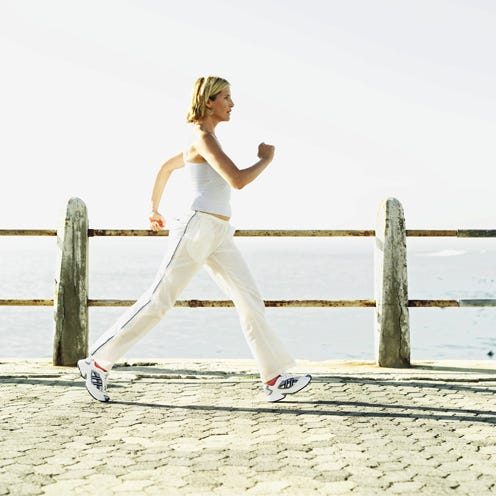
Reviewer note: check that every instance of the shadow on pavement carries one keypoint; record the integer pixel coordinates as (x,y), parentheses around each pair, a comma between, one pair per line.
(319,407)
(298,409)
(446,368)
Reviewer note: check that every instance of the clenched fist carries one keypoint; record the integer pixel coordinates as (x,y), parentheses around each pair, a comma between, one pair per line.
(266,151)
(157,222)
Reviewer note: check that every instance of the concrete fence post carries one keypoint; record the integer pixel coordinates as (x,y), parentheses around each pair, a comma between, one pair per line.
(71,287)
(392,327)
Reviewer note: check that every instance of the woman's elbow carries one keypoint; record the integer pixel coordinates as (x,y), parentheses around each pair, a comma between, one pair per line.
(240,185)
(237,182)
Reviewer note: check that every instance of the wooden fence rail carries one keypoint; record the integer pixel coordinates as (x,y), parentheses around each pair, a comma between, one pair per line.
(419,233)
(268,303)
(391,303)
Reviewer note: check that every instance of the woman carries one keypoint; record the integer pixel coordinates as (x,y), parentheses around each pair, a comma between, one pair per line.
(203,238)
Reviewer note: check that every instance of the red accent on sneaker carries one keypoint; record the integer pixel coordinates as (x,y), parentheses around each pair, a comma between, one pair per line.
(99,367)
(273,381)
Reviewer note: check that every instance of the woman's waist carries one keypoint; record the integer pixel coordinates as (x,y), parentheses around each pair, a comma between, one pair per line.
(218,216)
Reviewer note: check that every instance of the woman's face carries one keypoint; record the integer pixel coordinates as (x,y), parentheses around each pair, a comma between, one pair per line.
(221,107)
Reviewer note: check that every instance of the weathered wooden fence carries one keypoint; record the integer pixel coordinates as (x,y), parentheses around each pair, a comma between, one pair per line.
(392,330)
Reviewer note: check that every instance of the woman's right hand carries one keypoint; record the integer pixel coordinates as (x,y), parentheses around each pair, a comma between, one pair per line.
(266,151)
(157,222)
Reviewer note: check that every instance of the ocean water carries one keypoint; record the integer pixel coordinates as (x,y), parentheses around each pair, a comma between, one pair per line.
(284,268)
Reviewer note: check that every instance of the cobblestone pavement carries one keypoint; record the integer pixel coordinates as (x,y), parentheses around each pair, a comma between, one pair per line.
(203,428)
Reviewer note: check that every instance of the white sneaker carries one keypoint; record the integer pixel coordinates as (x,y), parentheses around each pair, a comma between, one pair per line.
(286,384)
(96,379)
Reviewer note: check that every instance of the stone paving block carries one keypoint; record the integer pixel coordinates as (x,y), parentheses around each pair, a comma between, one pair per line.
(396,476)
(292,450)
(488,450)
(71,474)
(374,485)
(32,458)
(62,460)
(159,489)
(455,467)
(20,468)
(436,485)
(133,486)
(331,475)
(332,465)
(303,481)
(265,488)
(299,491)
(11,480)
(485,467)
(233,484)
(351,455)
(49,469)
(105,481)
(337,487)
(364,472)
(473,457)
(477,487)
(171,481)
(440,472)
(407,488)
(206,465)
(26,489)
(322,451)
(462,476)
(264,463)
(489,481)
(36,480)
(387,466)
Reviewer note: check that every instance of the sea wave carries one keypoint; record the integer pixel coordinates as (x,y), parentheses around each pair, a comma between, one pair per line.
(446,253)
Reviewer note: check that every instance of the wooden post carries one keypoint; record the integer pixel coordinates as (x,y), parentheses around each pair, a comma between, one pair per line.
(392,328)
(71,291)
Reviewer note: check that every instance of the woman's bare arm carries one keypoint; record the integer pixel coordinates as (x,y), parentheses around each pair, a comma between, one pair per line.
(208,147)
(157,222)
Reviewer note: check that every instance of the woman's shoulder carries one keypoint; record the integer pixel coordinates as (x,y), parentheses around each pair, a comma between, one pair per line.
(201,141)
(195,141)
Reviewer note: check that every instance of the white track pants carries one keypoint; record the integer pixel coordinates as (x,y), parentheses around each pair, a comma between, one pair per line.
(201,239)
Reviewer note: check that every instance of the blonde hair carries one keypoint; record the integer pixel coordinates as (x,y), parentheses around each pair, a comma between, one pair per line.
(205,88)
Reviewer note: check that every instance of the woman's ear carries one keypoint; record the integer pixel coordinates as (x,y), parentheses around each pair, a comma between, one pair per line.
(208,106)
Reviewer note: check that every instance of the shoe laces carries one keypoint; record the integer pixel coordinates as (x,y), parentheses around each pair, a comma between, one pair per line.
(287,382)
(98,380)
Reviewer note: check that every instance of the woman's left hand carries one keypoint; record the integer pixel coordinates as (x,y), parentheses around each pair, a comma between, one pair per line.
(157,222)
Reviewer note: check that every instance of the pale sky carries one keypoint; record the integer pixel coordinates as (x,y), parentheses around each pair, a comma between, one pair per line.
(364,99)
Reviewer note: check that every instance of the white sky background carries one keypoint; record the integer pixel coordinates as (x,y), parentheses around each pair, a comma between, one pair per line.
(364,99)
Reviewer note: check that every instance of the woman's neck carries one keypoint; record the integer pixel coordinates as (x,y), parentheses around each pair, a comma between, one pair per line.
(207,125)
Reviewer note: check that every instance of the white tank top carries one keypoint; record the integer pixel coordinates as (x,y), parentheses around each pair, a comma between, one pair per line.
(211,193)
